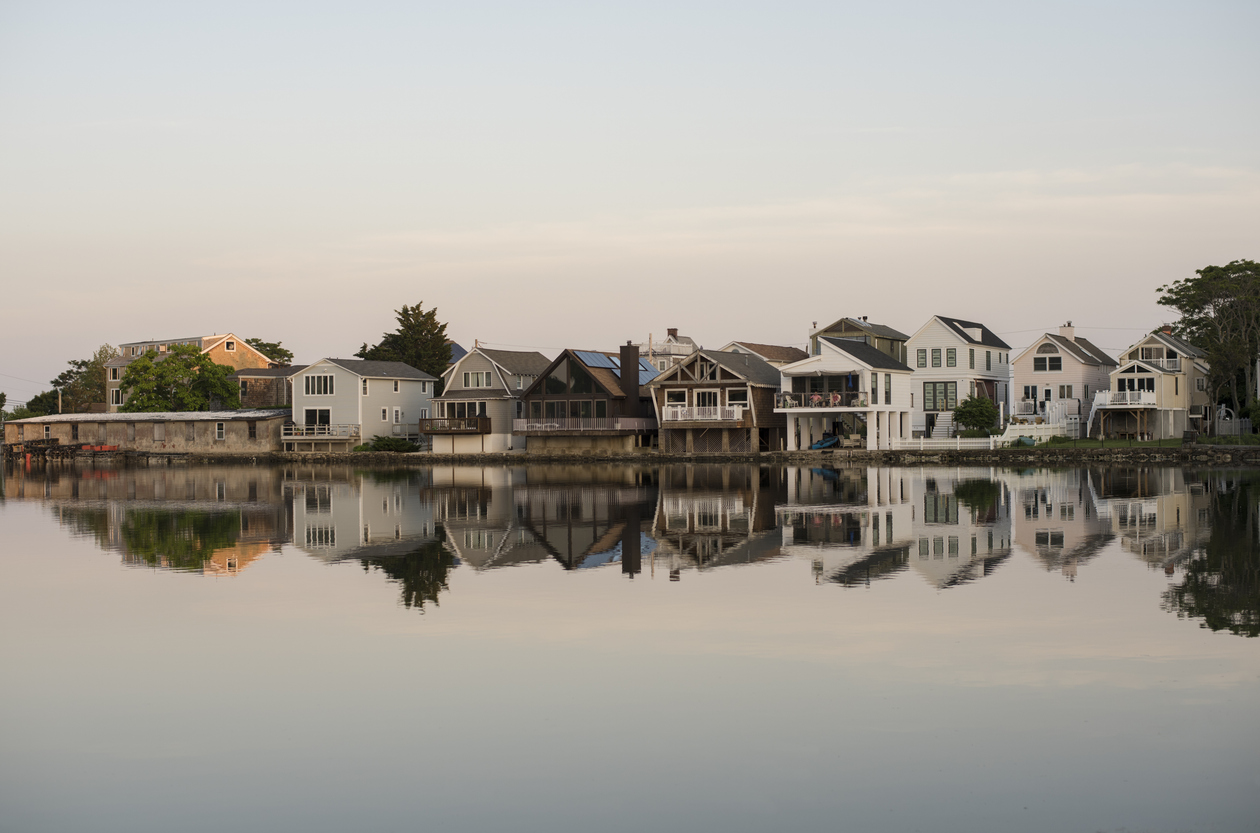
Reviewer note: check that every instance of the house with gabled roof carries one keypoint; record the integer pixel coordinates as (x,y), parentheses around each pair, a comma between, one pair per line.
(480,399)
(1057,376)
(850,387)
(1158,391)
(719,401)
(225,349)
(880,336)
(664,353)
(589,400)
(952,360)
(341,403)
(774,354)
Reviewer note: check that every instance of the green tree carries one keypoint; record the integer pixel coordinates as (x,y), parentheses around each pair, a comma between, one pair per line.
(182,379)
(3,399)
(422,574)
(976,412)
(42,404)
(83,383)
(1220,314)
(272,350)
(419,341)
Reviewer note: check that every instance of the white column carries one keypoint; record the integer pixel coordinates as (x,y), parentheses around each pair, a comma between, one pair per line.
(793,425)
(872,431)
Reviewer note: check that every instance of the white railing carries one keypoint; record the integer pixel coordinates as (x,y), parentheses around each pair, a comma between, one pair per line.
(546,424)
(1171,365)
(681,413)
(1026,407)
(954,444)
(834,399)
(295,430)
(1131,397)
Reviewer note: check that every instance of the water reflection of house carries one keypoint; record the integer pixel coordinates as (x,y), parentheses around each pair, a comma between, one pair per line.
(857,525)
(1056,518)
(853,525)
(1159,514)
(715,515)
(215,520)
(338,515)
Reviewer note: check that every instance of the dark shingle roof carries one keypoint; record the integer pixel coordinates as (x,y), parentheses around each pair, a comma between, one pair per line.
(518,362)
(382,370)
(866,354)
(773,352)
(1096,351)
(269,372)
(988,338)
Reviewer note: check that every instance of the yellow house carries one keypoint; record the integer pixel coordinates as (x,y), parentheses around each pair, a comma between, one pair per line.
(1158,391)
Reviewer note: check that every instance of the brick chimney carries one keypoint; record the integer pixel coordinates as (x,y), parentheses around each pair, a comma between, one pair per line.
(1068,331)
(630,378)
(672,332)
(1166,329)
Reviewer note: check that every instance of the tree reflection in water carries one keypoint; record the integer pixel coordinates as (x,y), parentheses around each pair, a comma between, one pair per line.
(1221,585)
(422,573)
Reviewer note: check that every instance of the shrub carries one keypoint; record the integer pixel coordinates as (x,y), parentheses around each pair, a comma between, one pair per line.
(976,412)
(392,444)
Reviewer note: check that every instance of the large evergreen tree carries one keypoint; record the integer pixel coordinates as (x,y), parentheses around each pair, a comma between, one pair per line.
(419,341)
(182,379)
(1220,314)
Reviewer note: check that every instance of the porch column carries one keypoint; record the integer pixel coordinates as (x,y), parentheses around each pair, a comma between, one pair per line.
(872,430)
(793,425)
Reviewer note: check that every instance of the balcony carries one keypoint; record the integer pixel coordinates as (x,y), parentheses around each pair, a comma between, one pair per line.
(1128,399)
(682,413)
(583,425)
(455,425)
(1170,365)
(831,400)
(322,432)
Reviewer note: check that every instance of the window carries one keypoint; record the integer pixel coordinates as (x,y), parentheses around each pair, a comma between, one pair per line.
(74,431)
(520,382)
(1198,384)
(1085,395)
(113,374)
(1176,386)
(159,432)
(396,384)
(874,388)
(384,415)
(936,357)
(476,379)
(706,370)
(1042,364)
(397,416)
(971,358)
(988,359)
(253,430)
(319,385)
(365,393)
(115,396)
(940,396)
(1065,391)
(218,430)
(230,346)
(244,388)
(951,357)
(675,397)
(48,432)
(737,397)
(887,388)
(424,413)
(922,357)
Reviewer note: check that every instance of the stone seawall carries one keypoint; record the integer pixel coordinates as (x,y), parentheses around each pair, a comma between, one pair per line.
(1056,456)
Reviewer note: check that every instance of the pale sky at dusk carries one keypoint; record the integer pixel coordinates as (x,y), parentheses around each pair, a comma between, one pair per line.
(576,175)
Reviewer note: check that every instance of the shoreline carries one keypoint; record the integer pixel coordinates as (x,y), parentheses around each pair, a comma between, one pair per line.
(1192,455)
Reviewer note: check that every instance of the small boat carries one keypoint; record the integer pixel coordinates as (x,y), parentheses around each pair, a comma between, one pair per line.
(827,441)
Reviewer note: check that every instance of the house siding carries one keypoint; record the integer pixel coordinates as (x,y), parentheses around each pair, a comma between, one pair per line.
(936,336)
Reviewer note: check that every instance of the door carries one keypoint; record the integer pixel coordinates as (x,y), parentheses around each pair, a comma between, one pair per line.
(706,404)
(318,416)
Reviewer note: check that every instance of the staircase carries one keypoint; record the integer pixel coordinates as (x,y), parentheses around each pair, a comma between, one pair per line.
(944,428)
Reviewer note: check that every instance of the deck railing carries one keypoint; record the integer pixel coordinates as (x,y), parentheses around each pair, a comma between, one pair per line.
(545,425)
(834,399)
(682,413)
(325,431)
(1131,397)
(455,425)
(1171,365)
(1027,407)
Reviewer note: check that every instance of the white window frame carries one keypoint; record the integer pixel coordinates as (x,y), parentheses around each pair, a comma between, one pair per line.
(398,416)
(116,397)
(397,384)
(365,387)
(672,397)
(113,374)
(229,346)
(312,384)
(384,414)
(220,430)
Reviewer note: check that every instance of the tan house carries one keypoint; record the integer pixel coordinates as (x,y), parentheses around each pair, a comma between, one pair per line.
(1058,375)
(173,432)
(224,349)
(1158,391)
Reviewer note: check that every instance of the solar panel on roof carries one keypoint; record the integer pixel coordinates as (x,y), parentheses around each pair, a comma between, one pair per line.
(591,359)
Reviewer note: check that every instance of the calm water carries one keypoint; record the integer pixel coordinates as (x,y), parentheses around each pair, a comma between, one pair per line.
(608,649)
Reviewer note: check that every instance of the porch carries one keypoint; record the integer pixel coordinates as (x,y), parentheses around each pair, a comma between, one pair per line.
(582,426)
(674,416)
(455,425)
(316,437)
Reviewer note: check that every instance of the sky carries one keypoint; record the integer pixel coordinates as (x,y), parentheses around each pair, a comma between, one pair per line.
(555,175)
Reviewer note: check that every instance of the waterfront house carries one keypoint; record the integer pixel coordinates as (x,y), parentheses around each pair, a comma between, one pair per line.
(715,401)
(1157,391)
(883,338)
(770,353)
(1057,376)
(169,432)
(589,400)
(850,387)
(952,360)
(224,349)
(341,403)
(480,399)
(666,352)
(267,387)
